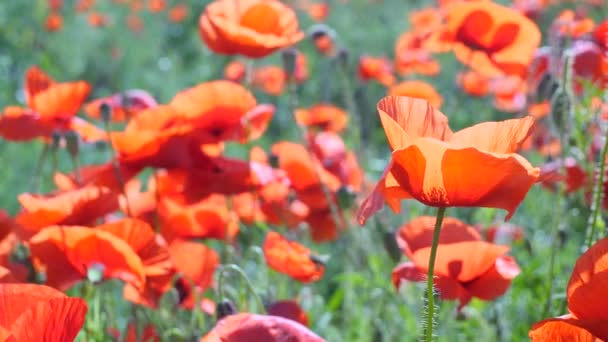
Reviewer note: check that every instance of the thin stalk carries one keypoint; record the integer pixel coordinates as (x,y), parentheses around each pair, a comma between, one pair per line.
(430,310)
(39,166)
(116,167)
(234,268)
(596,205)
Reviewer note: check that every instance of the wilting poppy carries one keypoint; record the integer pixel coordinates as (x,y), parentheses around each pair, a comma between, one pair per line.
(244,327)
(122,105)
(490,38)
(461,275)
(440,168)
(52,100)
(32,312)
(588,307)
(291,258)
(325,117)
(417,89)
(253,28)
(289,309)
(81,206)
(68,253)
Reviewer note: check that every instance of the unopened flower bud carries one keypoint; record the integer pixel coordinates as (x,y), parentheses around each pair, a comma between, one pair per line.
(289,61)
(106,112)
(72,143)
(225,308)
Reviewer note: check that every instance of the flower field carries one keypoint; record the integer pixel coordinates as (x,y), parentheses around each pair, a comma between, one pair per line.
(303,170)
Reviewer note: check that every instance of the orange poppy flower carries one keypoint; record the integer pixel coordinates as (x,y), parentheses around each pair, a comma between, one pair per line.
(323,226)
(588,318)
(425,21)
(474,83)
(417,89)
(487,274)
(68,253)
(291,258)
(440,168)
(197,263)
(325,117)
(178,13)
(208,218)
(81,206)
(235,71)
(376,68)
(52,100)
(289,309)
(412,57)
(123,105)
(53,22)
(329,148)
(96,19)
(570,24)
(156,6)
(32,312)
(324,42)
(253,28)
(102,175)
(490,38)
(149,333)
(245,327)
(224,110)
(154,254)
(270,79)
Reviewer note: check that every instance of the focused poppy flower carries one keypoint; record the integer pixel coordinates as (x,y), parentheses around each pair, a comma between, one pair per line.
(325,117)
(53,22)
(253,28)
(441,169)
(196,263)
(245,327)
(376,68)
(270,79)
(52,100)
(417,89)
(487,274)
(81,206)
(67,254)
(32,312)
(154,254)
(490,38)
(412,57)
(123,105)
(588,317)
(178,13)
(291,258)
(289,309)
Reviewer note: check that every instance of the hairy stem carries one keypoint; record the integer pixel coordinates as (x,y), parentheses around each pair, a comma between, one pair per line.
(430,310)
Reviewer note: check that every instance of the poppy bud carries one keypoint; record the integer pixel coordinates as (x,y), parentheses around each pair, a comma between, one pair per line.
(71,141)
(561,106)
(273,160)
(55,139)
(95,272)
(289,62)
(343,58)
(225,308)
(106,112)
(562,237)
(323,37)
(346,197)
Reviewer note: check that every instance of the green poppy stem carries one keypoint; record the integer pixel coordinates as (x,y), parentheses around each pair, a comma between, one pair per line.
(236,269)
(430,310)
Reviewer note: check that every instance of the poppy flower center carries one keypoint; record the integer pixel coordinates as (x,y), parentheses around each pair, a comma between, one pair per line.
(262,18)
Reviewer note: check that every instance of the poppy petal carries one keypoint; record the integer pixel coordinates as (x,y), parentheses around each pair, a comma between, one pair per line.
(497,137)
(565,328)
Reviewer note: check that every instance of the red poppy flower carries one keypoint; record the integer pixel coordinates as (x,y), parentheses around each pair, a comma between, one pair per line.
(235,71)
(588,318)
(490,38)
(329,148)
(68,253)
(253,28)
(376,68)
(30,312)
(412,57)
(122,105)
(441,169)
(154,254)
(11,271)
(197,263)
(178,13)
(325,117)
(487,274)
(52,100)
(291,258)
(53,22)
(570,24)
(289,309)
(417,89)
(474,83)
(245,327)
(575,177)
(81,206)
(270,79)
